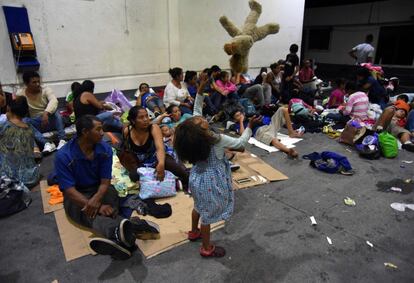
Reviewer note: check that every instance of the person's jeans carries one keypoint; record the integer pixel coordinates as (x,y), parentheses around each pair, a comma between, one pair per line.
(55,123)
(107,118)
(410,121)
(103,225)
(155,102)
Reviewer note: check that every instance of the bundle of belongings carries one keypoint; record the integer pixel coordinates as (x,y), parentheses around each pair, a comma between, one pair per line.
(369,144)
(330,162)
(14,196)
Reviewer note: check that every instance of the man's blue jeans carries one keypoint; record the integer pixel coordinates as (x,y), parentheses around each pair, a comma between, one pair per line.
(107,118)
(55,123)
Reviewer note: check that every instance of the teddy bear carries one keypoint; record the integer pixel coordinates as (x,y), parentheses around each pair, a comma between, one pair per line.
(244,38)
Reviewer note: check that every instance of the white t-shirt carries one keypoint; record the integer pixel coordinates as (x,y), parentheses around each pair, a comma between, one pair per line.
(174,95)
(363,51)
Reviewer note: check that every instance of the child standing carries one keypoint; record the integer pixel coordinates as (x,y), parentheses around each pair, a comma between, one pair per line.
(210,176)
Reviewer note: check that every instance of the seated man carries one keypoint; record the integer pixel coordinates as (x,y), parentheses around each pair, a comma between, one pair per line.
(84,171)
(43,105)
(392,120)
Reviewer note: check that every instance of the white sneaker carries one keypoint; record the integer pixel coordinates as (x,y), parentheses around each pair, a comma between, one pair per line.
(61,144)
(49,147)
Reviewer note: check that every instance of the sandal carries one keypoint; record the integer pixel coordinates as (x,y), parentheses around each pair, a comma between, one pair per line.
(194,236)
(215,251)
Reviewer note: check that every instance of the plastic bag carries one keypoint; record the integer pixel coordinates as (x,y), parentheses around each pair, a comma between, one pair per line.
(118,98)
(150,187)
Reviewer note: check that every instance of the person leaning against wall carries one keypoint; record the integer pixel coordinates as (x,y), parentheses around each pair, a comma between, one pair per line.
(43,112)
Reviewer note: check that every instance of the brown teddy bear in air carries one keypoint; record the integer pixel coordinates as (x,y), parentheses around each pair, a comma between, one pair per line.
(244,38)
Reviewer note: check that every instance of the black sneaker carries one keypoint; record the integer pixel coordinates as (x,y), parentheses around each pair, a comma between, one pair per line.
(145,229)
(408,146)
(104,246)
(125,233)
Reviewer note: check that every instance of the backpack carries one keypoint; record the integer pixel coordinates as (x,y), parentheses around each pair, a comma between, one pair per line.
(329,162)
(369,147)
(249,109)
(388,144)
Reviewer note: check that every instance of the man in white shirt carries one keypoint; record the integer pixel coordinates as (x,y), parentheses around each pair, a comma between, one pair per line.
(364,52)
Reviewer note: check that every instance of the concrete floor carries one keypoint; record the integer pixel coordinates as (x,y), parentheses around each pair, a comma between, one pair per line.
(269,238)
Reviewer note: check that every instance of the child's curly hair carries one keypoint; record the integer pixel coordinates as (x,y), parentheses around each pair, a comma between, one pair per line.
(192,142)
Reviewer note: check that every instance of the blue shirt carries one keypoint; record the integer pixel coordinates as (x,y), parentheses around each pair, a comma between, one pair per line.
(74,170)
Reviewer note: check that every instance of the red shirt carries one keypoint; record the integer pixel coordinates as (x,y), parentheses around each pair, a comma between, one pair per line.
(306,74)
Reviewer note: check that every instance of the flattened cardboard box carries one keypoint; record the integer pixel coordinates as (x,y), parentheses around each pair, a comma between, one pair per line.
(253,171)
(75,240)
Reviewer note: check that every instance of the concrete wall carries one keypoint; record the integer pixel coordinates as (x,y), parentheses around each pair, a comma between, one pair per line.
(120,45)
(351,23)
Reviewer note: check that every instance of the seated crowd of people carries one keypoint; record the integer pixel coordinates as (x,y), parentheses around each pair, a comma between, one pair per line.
(179,132)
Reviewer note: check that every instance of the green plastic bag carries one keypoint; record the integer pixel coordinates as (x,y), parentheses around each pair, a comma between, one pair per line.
(388,144)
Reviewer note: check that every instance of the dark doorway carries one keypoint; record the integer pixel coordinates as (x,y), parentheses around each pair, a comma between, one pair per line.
(395,45)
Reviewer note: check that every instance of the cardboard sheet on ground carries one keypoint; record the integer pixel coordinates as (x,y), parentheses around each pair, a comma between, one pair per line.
(47,208)
(284,139)
(174,228)
(253,171)
(75,241)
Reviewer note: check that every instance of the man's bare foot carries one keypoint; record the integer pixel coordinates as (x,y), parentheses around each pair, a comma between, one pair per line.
(295,134)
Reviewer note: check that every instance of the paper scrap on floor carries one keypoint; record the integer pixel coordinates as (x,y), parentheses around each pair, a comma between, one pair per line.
(284,139)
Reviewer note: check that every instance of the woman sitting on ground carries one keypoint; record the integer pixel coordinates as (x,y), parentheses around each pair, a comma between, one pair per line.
(176,93)
(85,103)
(16,145)
(272,82)
(149,100)
(259,80)
(143,146)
